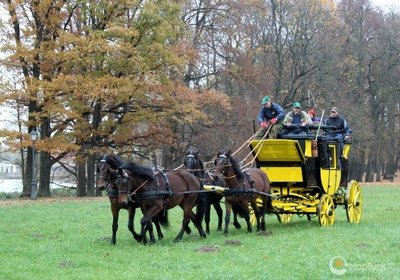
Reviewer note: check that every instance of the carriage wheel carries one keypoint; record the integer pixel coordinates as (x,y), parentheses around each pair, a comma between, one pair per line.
(253,219)
(353,202)
(326,214)
(284,218)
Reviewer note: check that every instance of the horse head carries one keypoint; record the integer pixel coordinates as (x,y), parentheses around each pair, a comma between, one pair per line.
(122,185)
(222,164)
(193,163)
(107,170)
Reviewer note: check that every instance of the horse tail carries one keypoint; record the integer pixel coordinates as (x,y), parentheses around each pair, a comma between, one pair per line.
(162,217)
(267,184)
(269,203)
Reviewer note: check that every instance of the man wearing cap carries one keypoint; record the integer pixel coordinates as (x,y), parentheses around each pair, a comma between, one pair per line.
(270,114)
(297,116)
(342,128)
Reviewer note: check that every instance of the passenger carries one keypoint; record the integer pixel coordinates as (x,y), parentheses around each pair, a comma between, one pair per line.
(271,114)
(313,115)
(295,118)
(342,128)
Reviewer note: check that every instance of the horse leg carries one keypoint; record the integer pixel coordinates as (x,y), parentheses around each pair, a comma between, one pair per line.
(197,224)
(207,217)
(185,223)
(247,216)
(144,223)
(158,228)
(228,209)
(151,232)
(235,220)
(115,214)
(218,209)
(262,214)
(131,215)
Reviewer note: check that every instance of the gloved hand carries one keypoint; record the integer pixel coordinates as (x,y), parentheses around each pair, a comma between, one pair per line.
(274,120)
(347,137)
(263,124)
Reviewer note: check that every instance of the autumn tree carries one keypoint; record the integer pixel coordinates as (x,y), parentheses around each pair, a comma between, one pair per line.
(98,74)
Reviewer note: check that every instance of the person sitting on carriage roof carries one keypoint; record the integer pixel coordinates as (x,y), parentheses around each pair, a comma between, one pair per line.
(296,118)
(313,115)
(270,114)
(342,128)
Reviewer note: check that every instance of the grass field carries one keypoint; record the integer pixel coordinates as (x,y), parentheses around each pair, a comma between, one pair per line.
(70,239)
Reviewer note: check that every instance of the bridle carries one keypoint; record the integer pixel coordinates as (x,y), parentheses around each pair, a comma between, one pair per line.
(109,174)
(226,164)
(191,160)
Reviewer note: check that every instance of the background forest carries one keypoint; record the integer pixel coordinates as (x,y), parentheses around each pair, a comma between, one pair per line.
(150,79)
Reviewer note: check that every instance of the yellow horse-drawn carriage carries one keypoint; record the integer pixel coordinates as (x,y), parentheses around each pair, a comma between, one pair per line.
(309,176)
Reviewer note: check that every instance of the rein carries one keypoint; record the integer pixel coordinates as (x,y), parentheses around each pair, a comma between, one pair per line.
(138,188)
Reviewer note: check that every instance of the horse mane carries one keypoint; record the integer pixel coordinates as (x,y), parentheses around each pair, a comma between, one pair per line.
(192,151)
(235,165)
(114,160)
(138,170)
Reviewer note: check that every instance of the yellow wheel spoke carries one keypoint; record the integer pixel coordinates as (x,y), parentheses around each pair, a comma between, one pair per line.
(326,214)
(353,202)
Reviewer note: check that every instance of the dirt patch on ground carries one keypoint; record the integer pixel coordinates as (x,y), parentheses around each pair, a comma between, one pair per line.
(208,249)
(233,242)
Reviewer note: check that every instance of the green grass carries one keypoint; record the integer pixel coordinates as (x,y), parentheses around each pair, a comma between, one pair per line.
(70,239)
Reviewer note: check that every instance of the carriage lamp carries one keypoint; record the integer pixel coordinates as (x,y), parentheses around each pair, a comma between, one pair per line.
(34,137)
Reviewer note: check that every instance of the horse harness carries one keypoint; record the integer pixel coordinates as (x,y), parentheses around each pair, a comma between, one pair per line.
(243,190)
(134,196)
(240,191)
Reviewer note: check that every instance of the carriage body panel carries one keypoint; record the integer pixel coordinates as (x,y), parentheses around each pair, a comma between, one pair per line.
(307,175)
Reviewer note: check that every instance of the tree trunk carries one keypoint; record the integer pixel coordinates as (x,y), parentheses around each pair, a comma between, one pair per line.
(81,176)
(44,174)
(91,168)
(369,174)
(27,175)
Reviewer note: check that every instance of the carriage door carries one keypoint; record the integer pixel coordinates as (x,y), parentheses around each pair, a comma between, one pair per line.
(330,177)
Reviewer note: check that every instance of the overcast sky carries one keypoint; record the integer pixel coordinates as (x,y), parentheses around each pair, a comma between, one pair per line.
(385,4)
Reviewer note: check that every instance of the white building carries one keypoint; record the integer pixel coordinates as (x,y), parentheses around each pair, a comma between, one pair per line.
(10,170)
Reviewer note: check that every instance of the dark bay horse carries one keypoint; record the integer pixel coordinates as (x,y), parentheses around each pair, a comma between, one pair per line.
(244,188)
(194,165)
(106,171)
(158,192)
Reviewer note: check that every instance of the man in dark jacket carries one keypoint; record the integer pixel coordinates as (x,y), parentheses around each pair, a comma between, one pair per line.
(270,114)
(342,128)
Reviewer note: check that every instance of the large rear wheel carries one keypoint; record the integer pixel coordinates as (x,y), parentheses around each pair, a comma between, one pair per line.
(353,202)
(326,211)
(284,218)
